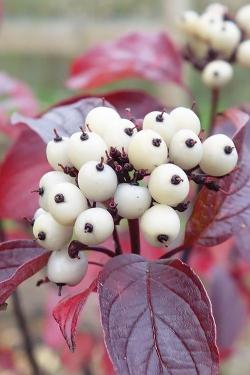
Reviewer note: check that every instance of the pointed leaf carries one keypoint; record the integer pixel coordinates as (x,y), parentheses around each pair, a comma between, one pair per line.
(156,318)
(19,260)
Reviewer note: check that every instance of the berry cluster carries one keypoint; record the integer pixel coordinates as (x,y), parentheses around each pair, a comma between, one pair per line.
(113,169)
(216,39)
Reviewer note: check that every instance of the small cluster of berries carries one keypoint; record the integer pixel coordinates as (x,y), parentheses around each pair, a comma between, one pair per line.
(216,39)
(113,169)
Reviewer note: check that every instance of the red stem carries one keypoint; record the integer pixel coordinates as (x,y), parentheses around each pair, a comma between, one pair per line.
(134,233)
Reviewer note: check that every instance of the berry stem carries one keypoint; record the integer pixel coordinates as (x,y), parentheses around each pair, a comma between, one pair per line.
(118,249)
(173,252)
(215,96)
(76,246)
(134,234)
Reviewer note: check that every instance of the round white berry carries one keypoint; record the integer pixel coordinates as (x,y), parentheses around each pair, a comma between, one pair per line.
(159,122)
(217,8)
(38,213)
(243,54)
(168,184)
(160,225)
(188,22)
(62,269)
(207,23)
(57,153)
(50,234)
(85,146)
(185,118)
(100,119)
(225,38)
(185,149)
(147,150)
(243,18)
(120,136)
(94,226)
(219,155)
(97,181)
(132,200)
(48,181)
(66,202)
(217,74)
(198,47)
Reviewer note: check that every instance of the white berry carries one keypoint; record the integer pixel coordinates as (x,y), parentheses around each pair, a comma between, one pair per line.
(147,150)
(243,19)
(207,23)
(243,54)
(85,146)
(185,118)
(97,181)
(50,234)
(217,9)
(57,153)
(198,47)
(217,74)
(48,181)
(168,184)
(188,22)
(225,38)
(132,200)
(62,269)
(38,213)
(100,119)
(219,155)
(185,149)
(66,202)
(160,225)
(94,226)
(159,122)
(120,135)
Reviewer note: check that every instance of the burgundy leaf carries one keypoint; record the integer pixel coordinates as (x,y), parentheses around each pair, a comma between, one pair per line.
(156,318)
(20,172)
(230,318)
(19,260)
(66,313)
(216,215)
(136,55)
(230,121)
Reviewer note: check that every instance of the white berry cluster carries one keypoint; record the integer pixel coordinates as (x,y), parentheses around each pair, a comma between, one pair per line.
(215,40)
(112,169)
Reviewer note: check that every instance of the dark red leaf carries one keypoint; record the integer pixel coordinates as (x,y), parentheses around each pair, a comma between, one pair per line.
(230,311)
(156,318)
(216,215)
(230,121)
(136,55)
(19,260)
(20,172)
(67,311)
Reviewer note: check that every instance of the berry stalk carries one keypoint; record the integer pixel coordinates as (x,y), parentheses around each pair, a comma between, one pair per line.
(134,234)
(215,97)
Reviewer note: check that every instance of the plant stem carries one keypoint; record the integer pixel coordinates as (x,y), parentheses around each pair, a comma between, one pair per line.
(134,234)
(103,250)
(215,96)
(186,255)
(118,249)
(172,252)
(23,327)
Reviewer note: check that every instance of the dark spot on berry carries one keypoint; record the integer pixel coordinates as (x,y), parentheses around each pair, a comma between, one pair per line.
(59,198)
(228,149)
(57,138)
(41,191)
(190,142)
(41,236)
(88,228)
(216,73)
(176,180)
(100,166)
(84,136)
(129,131)
(163,238)
(156,142)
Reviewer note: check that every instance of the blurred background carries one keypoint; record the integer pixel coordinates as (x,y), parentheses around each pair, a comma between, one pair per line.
(38,41)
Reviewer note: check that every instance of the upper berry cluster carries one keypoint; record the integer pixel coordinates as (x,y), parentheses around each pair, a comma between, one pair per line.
(216,39)
(113,169)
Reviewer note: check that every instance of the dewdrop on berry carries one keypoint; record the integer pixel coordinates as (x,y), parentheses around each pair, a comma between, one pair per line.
(185,118)
(48,181)
(243,54)
(188,22)
(120,135)
(100,119)
(132,200)
(97,181)
(66,202)
(160,225)
(185,149)
(147,150)
(225,38)
(219,155)
(85,146)
(168,184)
(243,19)
(159,122)
(50,234)
(57,152)
(61,269)
(217,74)
(94,226)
